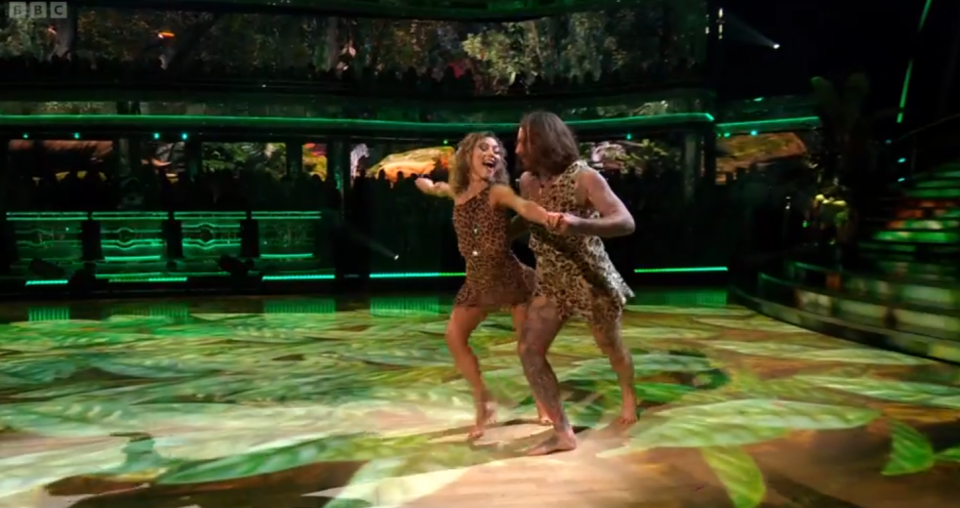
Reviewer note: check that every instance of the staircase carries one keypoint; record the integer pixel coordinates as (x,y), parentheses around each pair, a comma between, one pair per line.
(902,293)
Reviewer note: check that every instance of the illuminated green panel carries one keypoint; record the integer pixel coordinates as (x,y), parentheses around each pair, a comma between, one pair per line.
(287,236)
(49,236)
(166,309)
(405,306)
(307,306)
(918,236)
(132,237)
(206,123)
(209,235)
(48,314)
(782,124)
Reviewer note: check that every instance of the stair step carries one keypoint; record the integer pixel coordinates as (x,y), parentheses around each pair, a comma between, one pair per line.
(905,202)
(933,224)
(916,269)
(909,318)
(938,183)
(918,236)
(925,212)
(913,248)
(874,335)
(939,292)
(944,193)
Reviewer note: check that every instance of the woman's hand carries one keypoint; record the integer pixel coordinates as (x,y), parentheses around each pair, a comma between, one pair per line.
(424,184)
(563,224)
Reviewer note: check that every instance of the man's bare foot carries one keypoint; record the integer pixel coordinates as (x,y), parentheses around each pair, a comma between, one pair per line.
(486,415)
(559,442)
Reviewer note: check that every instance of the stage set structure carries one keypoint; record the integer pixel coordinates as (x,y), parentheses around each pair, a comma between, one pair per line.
(167,159)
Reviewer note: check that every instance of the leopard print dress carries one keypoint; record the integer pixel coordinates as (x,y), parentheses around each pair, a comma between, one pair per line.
(496,279)
(574,272)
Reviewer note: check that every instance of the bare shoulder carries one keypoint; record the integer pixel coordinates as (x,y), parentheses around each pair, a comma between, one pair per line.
(526,181)
(589,182)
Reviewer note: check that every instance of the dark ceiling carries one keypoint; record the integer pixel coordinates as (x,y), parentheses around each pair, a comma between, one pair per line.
(829,38)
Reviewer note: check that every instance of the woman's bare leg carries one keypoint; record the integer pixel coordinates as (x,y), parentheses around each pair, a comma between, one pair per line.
(463,321)
(519,314)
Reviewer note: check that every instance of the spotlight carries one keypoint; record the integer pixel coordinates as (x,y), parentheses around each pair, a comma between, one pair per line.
(234,266)
(776,46)
(46,269)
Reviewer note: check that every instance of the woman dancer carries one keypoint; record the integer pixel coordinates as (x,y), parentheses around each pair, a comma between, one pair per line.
(479,187)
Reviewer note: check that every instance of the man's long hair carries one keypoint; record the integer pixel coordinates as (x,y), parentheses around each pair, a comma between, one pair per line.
(549,146)
(460,172)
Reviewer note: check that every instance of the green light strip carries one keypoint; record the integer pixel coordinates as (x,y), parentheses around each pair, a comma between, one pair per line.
(149,277)
(154,122)
(923,15)
(906,78)
(280,278)
(286,256)
(701,269)
(128,216)
(128,280)
(47,216)
(52,282)
(780,124)
(131,259)
(416,275)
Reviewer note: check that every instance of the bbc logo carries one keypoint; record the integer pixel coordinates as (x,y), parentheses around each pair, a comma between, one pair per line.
(37,10)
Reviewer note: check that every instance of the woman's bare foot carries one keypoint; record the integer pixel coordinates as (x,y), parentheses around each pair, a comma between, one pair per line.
(628,411)
(486,415)
(559,442)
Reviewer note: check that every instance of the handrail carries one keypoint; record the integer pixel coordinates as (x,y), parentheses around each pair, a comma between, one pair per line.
(927,126)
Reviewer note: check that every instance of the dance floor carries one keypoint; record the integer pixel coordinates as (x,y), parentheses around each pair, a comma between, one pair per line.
(292,403)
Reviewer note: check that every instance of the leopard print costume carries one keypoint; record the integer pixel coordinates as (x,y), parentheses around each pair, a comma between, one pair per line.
(496,279)
(574,272)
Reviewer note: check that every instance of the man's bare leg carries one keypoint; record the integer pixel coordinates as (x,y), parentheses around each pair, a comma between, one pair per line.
(519,314)
(463,321)
(541,328)
(609,338)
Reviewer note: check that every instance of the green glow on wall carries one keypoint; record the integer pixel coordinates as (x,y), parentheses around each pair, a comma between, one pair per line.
(780,124)
(196,122)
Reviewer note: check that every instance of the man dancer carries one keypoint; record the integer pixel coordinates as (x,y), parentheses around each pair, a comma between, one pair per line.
(575,277)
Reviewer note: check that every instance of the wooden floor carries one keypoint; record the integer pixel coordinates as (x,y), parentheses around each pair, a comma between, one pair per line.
(313,402)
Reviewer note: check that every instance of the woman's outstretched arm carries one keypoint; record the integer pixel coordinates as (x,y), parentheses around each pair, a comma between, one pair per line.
(435,189)
(503,195)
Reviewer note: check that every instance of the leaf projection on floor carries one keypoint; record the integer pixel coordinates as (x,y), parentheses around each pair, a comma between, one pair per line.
(366,406)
